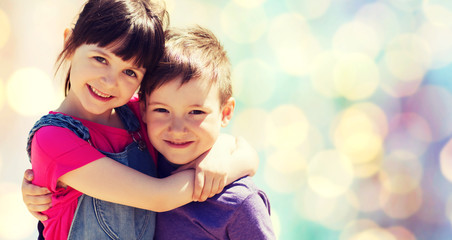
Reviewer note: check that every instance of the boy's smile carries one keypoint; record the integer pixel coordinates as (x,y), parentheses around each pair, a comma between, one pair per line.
(184,121)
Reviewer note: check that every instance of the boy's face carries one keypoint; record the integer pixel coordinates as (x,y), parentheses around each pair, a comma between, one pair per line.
(184,121)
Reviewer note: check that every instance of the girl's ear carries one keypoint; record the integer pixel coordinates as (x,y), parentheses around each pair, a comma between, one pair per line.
(67,34)
(227,111)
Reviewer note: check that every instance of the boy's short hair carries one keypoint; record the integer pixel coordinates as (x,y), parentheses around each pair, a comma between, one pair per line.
(191,53)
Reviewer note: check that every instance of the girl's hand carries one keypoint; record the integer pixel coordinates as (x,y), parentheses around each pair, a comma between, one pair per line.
(37,199)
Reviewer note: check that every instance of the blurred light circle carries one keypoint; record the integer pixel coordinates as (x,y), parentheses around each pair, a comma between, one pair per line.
(294,53)
(381,18)
(349,73)
(445,159)
(437,14)
(407,5)
(391,203)
(356,37)
(2,93)
(249,23)
(252,124)
(288,127)
(359,135)
(365,191)
(249,3)
(15,220)
(322,74)
(357,226)
(401,233)
(30,92)
(320,209)
(330,173)
(438,117)
(401,172)
(254,81)
(311,9)
(285,178)
(437,38)
(409,131)
(276,223)
(5,28)
(373,234)
(408,57)
(395,86)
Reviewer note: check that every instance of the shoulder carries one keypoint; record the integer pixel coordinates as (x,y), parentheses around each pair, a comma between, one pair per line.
(57,140)
(236,193)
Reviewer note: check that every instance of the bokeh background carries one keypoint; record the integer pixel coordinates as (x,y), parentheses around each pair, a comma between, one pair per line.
(348,103)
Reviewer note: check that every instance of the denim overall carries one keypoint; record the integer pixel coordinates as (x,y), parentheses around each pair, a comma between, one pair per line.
(97,219)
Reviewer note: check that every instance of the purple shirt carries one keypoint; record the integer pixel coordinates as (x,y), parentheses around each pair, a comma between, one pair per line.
(241,211)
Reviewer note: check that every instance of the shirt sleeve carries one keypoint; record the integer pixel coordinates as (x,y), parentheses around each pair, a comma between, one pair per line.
(252,219)
(56,151)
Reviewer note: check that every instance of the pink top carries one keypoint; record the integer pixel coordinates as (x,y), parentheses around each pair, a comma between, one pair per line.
(56,151)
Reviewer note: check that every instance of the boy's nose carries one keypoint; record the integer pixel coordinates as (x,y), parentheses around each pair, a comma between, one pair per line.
(177,125)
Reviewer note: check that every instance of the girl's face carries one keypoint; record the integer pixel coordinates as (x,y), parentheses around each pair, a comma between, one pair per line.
(183,121)
(101,81)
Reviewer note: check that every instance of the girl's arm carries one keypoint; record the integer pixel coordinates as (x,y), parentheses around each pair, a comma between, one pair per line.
(111,181)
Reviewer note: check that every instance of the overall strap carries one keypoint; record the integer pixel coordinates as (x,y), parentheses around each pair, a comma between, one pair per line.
(58,120)
(128,118)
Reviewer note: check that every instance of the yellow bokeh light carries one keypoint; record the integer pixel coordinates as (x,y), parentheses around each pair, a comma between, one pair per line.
(288,127)
(322,74)
(15,220)
(252,124)
(445,159)
(310,8)
(329,173)
(356,37)
(408,57)
(2,93)
(394,86)
(294,53)
(30,92)
(284,171)
(276,223)
(249,3)
(249,23)
(356,226)
(373,234)
(5,28)
(437,14)
(356,76)
(359,133)
(401,206)
(254,81)
(437,38)
(319,209)
(401,172)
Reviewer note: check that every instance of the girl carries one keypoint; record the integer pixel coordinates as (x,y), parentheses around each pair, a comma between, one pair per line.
(91,152)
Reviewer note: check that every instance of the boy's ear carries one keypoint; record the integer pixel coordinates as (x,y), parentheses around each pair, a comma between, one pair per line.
(227,112)
(67,34)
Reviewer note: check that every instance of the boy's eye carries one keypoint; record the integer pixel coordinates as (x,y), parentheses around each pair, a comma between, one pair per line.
(130,73)
(100,59)
(161,110)
(197,112)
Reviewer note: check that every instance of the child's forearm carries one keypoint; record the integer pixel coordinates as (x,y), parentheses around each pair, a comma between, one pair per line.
(108,180)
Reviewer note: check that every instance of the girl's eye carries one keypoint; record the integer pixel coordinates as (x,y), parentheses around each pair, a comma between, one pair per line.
(160,110)
(130,73)
(100,59)
(197,112)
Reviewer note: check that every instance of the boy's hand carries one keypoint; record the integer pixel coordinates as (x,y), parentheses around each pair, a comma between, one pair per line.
(37,199)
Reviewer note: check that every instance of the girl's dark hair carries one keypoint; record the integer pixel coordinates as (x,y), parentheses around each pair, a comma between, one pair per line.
(135,26)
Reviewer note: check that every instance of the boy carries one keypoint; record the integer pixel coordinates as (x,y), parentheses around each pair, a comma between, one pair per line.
(185,103)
